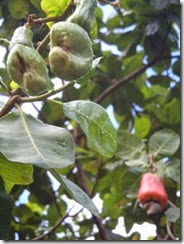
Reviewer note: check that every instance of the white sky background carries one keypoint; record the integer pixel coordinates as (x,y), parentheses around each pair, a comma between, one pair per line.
(145,229)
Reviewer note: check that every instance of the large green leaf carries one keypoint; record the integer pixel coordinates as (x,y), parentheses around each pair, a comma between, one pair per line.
(76,192)
(169,169)
(129,146)
(96,125)
(15,173)
(6,208)
(25,139)
(164,142)
(173,214)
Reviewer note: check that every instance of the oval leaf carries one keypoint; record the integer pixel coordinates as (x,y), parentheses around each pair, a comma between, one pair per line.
(164,142)
(25,139)
(173,214)
(130,147)
(95,123)
(15,173)
(76,192)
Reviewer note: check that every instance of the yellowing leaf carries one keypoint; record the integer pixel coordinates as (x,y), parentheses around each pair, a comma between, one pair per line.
(54,7)
(14,86)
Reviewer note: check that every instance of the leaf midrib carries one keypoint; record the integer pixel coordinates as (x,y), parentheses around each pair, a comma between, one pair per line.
(85,116)
(160,148)
(31,137)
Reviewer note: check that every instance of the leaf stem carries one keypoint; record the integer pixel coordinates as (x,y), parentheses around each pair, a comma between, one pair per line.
(48,94)
(5,40)
(43,43)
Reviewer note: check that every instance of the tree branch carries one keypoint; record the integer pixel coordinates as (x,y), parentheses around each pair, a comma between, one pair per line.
(10,105)
(53,228)
(82,181)
(127,78)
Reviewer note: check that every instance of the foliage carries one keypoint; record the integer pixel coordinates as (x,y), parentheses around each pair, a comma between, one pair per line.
(75,139)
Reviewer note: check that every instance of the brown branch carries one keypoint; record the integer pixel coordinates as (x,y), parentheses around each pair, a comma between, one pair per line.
(53,228)
(129,77)
(9,105)
(82,181)
(169,230)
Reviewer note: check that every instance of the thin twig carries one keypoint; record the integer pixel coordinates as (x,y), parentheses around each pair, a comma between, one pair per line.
(4,85)
(96,180)
(43,117)
(171,204)
(82,181)
(169,231)
(48,94)
(53,228)
(43,43)
(114,4)
(5,40)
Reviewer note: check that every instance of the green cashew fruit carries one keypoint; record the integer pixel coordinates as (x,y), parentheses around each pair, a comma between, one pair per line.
(22,35)
(25,65)
(84,14)
(71,53)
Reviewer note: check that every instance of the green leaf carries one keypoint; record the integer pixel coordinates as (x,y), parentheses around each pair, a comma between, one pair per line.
(53,111)
(6,208)
(25,139)
(173,214)
(36,3)
(129,146)
(169,169)
(142,126)
(138,165)
(164,142)
(96,125)
(15,173)
(54,7)
(172,110)
(18,8)
(76,192)
(94,30)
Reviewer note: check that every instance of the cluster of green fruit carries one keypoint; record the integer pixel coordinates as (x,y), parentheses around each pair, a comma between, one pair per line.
(70,57)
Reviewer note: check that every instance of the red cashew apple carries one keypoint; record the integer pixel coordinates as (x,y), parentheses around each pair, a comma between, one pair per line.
(152,189)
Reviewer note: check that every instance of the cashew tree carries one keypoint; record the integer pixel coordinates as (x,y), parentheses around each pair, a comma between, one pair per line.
(90,120)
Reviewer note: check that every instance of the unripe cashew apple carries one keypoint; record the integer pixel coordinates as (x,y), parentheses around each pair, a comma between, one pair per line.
(25,65)
(152,189)
(71,53)
(84,14)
